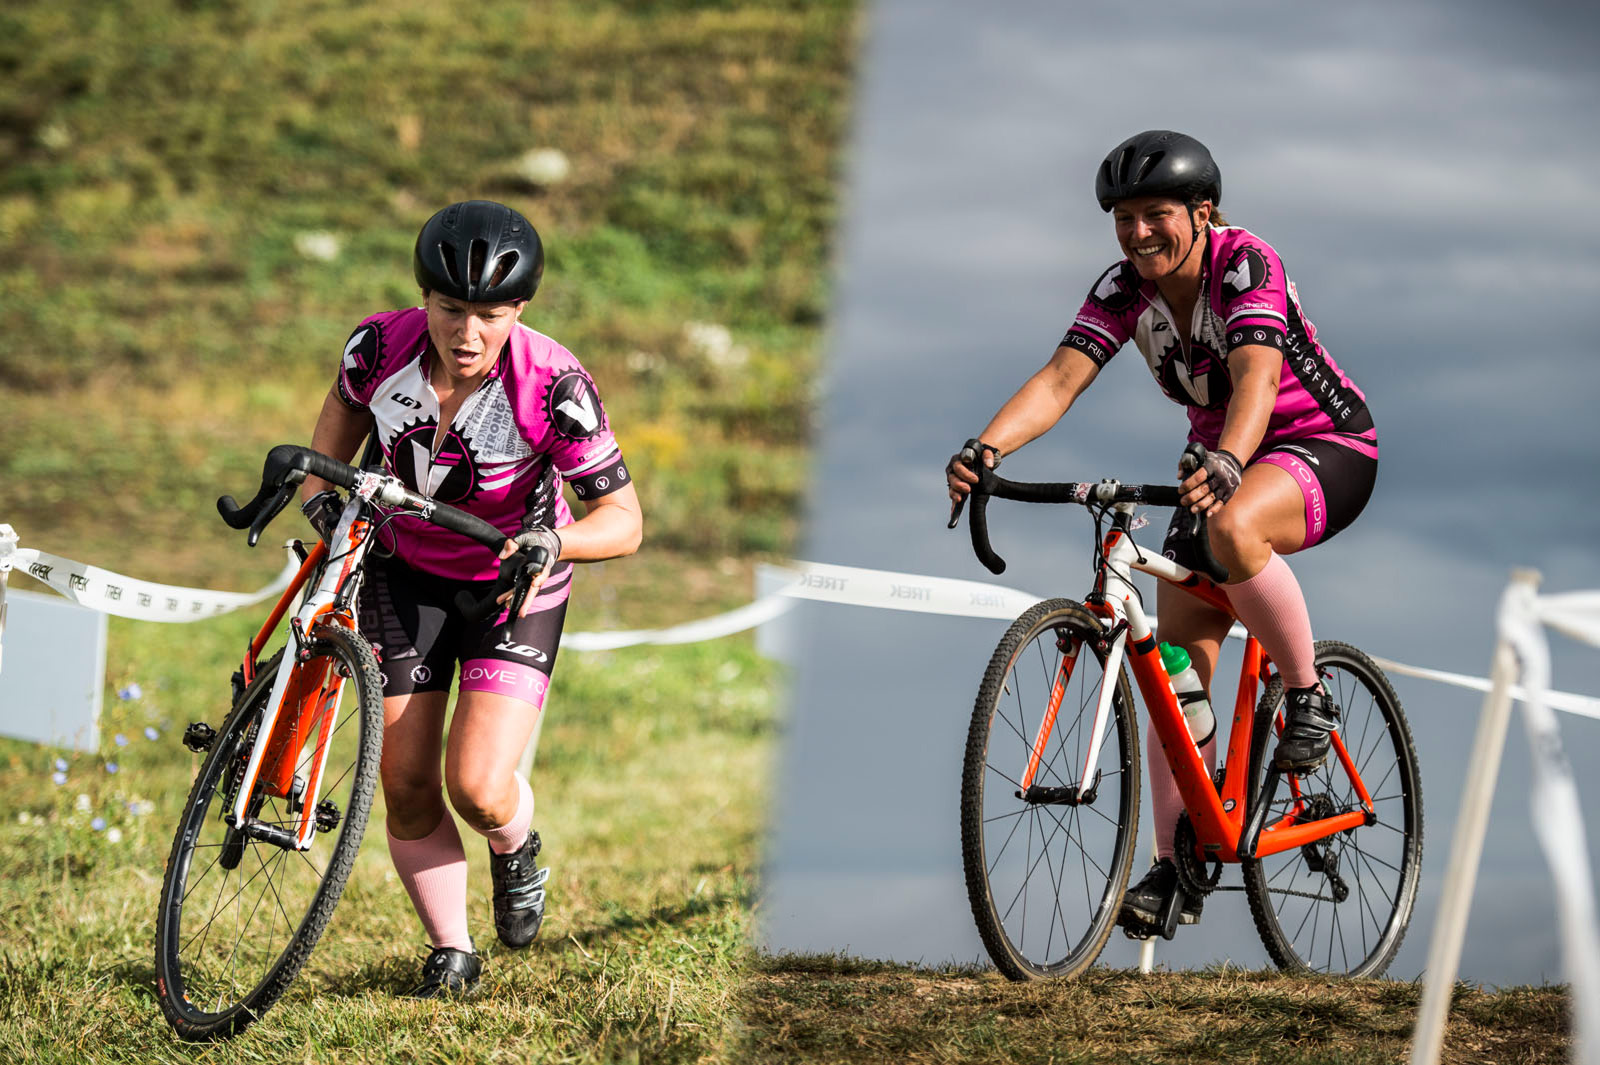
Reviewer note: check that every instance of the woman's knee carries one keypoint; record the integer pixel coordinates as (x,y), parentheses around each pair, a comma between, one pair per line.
(480,795)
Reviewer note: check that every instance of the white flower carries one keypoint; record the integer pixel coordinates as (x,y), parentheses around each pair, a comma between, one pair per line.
(82,805)
(114,835)
(321,246)
(544,166)
(715,343)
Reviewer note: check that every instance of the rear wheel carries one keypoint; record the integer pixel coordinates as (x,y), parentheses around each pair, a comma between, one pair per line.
(239,914)
(1341,905)
(1046,872)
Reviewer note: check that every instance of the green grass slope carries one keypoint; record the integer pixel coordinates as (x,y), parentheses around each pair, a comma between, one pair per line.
(198,201)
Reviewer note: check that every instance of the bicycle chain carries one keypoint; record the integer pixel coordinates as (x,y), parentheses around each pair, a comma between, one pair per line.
(1192,874)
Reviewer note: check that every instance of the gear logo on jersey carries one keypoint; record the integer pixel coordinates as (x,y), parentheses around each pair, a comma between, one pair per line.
(1201,381)
(1246,272)
(360,361)
(573,406)
(1117,289)
(450,475)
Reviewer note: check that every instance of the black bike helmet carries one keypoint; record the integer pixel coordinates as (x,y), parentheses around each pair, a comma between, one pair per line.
(1158,162)
(479,251)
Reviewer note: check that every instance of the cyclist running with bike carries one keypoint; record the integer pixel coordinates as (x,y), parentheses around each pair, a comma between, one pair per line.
(475,409)
(1293,449)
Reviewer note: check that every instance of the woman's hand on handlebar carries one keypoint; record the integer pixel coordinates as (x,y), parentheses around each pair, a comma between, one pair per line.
(959,473)
(538,536)
(1213,484)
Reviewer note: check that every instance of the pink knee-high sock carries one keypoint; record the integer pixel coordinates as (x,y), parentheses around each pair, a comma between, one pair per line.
(1165,802)
(511,835)
(434,871)
(1272,608)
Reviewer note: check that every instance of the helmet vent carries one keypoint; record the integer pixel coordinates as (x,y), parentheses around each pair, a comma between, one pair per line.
(447,254)
(477,252)
(502,268)
(1124,161)
(1147,164)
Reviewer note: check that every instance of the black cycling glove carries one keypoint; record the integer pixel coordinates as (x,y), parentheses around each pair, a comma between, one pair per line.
(541,536)
(1223,474)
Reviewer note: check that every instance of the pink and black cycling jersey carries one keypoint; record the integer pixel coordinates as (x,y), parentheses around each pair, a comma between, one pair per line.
(1245,298)
(535,422)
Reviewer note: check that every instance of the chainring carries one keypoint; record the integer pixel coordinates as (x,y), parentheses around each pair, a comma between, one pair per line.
(1192,873)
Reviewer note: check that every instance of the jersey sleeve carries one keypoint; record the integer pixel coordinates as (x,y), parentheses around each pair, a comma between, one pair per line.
(1105,321)
(359,368)
(1255,296)
(580,444)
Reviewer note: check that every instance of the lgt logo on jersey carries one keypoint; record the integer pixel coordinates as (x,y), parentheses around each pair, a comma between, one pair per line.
(573,407)
(522,649)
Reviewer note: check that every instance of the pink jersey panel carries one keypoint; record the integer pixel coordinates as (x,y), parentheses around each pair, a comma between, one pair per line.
(1246,299)
(534,423)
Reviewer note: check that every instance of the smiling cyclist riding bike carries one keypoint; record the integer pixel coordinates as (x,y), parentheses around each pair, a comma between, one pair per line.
(1293,451)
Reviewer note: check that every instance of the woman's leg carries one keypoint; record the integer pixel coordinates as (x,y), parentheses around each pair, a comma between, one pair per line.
(487,737)
(423,841)
(1264,521)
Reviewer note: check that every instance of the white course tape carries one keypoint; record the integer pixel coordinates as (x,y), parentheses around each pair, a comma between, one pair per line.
(1575,614)
(127,597)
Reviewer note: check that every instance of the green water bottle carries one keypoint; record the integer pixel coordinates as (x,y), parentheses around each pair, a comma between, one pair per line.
(1191,694)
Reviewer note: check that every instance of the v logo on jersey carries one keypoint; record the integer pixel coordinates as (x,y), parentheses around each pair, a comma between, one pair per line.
(1197,387)
(580,410)
(1239,276)
(572,406)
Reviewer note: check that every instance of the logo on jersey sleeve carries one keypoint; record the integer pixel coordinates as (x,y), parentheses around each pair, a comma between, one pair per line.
(360,363)
(1246,272)
(1117,290)
(573,406)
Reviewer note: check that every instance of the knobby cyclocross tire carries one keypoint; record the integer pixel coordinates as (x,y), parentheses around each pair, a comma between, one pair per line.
(1046,879)
(1298,911)
(238,916)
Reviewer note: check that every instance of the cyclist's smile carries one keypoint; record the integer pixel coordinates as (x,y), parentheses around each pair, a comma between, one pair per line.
(1155,233)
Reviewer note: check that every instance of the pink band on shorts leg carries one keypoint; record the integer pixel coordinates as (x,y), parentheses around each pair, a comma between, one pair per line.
(1310,490)
(505,678)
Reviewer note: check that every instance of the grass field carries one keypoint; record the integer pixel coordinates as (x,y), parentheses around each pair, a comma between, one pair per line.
(814,1009)
(651,781)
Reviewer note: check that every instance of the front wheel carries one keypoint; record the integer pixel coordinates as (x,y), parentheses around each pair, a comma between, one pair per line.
(1341,905)
(239,914)
(1046,868)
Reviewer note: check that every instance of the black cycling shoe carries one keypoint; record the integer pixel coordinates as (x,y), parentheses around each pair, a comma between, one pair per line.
(518,893)
(1144,904)
(448,973)
(1310,716)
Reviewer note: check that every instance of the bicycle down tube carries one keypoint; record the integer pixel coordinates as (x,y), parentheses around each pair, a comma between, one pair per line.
(275,753)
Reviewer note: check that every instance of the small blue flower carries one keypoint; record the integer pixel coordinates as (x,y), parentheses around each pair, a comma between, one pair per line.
(122,741)
(112,767)
(61,765)
(98,824)
(131,691)
(58,777)
(150,733)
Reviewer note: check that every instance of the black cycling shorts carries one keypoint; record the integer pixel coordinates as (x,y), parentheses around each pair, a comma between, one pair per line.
(1335,480)
(420,637)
